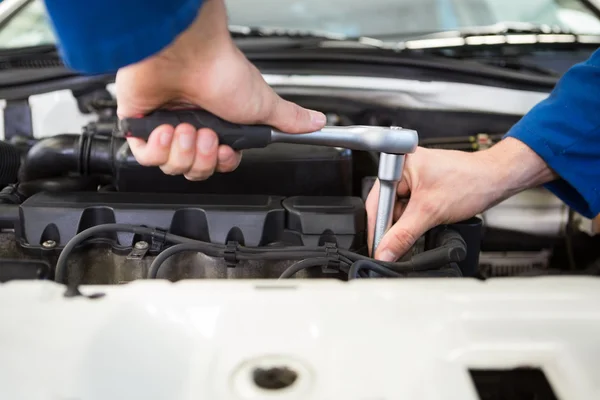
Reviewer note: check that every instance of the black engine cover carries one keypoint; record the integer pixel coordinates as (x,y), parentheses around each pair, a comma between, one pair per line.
(252,220)
(279,169)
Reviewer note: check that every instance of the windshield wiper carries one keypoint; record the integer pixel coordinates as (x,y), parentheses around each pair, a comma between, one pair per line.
(251,37)
(44,49)
(511,27)
(500,34)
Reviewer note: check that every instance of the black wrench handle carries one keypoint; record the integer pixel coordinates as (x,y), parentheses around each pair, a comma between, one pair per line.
(238,137)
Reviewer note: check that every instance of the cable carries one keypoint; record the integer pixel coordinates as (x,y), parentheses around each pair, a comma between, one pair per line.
(61,263)
(301,265)
(262,250)
(280,255)
(402,266)
(199,247)
(452,250)
(371,266)
(264,255)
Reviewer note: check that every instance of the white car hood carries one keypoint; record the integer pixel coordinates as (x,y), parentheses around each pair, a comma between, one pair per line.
(408,339)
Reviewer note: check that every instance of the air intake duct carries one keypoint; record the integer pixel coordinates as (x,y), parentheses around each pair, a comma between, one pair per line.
(10,161)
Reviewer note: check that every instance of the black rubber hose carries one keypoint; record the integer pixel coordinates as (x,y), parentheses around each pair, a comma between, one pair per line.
(301,265)
(371,266)
(10,161)
(61,263)
(279,255)
(199,247)
(453,249)
(51,157)
(61,155)
(60,184)
(421,264)
(11,195)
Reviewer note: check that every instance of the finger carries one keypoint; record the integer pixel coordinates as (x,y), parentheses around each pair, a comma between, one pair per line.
(371,207)
(289,117)
(399,208)
(205,162)
(156,150)
(404,233)
(228,159)
(181,156)
(403,189)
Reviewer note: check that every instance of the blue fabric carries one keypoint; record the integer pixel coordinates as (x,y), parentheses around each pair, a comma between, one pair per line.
(102,36)
(564,130)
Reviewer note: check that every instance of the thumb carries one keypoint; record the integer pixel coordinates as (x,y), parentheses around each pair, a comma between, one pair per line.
(404,233)
(291,118)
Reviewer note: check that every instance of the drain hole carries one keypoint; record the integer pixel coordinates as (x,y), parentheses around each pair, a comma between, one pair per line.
(275,378)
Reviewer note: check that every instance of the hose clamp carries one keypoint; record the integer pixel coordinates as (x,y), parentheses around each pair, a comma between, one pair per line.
(333,258)
(158,240)
(230,254)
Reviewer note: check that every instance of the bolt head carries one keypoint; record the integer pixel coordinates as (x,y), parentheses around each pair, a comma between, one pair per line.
(49,244)
(141,245)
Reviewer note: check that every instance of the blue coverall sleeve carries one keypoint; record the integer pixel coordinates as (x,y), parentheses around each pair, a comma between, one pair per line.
(101,36)
(564,130)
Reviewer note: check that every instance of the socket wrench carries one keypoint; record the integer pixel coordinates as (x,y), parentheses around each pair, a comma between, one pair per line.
(392,142)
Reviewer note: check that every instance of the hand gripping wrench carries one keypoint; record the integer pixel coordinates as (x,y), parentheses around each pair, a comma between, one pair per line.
(392,142)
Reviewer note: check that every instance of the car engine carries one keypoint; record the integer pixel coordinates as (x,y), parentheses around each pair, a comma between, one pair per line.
(78,208)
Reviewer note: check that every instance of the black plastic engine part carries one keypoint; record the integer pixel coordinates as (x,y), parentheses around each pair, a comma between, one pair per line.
(11,195)
(62,155)
(257,220)
(279,170)
(314,216)
(9,216)
(471,231)
(10,161)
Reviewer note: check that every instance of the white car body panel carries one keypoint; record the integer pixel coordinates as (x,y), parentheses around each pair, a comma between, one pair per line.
(57,112)
(365,340)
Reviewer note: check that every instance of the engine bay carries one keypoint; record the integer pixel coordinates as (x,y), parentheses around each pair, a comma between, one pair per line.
(79,209)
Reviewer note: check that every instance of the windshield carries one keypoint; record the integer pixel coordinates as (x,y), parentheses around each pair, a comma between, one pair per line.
(386,19)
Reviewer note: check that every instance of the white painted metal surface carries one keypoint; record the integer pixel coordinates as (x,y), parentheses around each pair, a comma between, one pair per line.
(535,211)
(426,95)
(408,339)
(57,112)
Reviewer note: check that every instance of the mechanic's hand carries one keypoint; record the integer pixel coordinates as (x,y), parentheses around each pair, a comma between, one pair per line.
(448,186)
(202,68)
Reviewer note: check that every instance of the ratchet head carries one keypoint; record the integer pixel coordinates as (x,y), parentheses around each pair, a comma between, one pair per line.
(392,140)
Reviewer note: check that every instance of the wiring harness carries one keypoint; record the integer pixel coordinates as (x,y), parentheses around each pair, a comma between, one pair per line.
(451,248)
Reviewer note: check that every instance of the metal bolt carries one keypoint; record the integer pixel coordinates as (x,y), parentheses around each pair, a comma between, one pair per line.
(141,245)
(49,244)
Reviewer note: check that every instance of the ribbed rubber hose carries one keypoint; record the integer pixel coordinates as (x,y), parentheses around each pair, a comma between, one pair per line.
(10,161)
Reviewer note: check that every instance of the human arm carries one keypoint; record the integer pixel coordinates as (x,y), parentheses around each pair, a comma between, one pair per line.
(171,53)
(557,144)
(446,186)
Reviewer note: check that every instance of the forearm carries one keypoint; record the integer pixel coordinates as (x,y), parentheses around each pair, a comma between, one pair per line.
(513,167)
(103,36)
